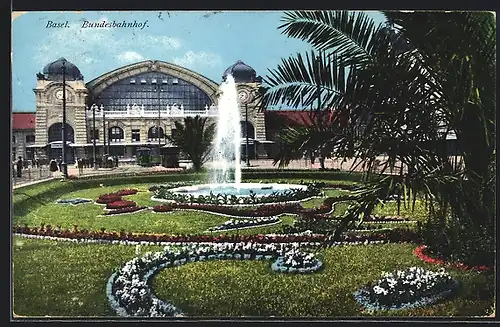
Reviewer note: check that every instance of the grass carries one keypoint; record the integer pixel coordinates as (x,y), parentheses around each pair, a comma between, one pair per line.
(209,288)
(62,278)
(66,279)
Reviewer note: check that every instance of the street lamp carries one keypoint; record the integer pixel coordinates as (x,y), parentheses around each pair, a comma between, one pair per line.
(104,130)
(246,134)
(63,130)
(94,107)
(160,89)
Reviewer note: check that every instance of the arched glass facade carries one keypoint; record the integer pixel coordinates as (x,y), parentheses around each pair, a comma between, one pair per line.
(153,133)
(248,129)
(154,90)
(116,134)
(55,133)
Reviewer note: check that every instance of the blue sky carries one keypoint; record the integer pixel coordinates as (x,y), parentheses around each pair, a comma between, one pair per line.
(204,41)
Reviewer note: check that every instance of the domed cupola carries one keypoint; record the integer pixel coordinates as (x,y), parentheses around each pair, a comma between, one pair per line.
(54,72)
(241,72)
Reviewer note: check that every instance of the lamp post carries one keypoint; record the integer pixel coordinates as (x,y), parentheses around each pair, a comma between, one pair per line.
(94,107)
(158,124)
(104,130)
(64,165)
(246,134)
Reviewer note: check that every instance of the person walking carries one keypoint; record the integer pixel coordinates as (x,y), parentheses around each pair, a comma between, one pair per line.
(19,166)
(59,163)
(116,161)
(80,165)
(53,165)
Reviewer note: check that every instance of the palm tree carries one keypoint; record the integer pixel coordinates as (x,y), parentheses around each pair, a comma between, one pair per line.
(193,138)
(397,89)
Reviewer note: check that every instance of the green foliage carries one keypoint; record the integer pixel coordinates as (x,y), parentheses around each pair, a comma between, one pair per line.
(194,138)
(397,89)
(212,198)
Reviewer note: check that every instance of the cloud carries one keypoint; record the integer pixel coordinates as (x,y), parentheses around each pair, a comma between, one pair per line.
(193,59)
(89,46)
(130,57)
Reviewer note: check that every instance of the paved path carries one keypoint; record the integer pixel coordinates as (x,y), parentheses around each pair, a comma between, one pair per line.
(132,168)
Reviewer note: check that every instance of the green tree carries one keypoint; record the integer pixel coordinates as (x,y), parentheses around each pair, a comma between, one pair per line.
(399,89)
(194,138)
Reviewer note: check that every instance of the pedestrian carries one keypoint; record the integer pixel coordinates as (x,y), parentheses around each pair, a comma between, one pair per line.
(80,166)
(116,161)
(110,162)
(53,165)
(19,166)
(59,163)
(37,163)
(32,163)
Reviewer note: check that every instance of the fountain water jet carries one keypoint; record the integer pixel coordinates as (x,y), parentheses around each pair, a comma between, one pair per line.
(227,143)
(226,157)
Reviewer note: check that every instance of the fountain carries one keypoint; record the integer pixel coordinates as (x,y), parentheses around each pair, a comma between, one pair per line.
(225,173)
(227,146)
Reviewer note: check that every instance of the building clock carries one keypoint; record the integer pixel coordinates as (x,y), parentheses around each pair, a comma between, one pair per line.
(59,94)
(243,96)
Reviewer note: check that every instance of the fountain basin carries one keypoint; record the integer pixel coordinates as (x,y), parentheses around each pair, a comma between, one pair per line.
(240,190)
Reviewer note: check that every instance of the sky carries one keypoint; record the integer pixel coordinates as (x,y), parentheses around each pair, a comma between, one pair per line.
(204,41)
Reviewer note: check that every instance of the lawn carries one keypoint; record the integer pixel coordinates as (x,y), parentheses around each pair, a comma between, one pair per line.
(65,279)
(69,279)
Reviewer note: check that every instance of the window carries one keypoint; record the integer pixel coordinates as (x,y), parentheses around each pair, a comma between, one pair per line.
(167,90)
(136,135)
(13,139)
(55,133)
(94,135)
(116,134)
(30,138)
(153,133)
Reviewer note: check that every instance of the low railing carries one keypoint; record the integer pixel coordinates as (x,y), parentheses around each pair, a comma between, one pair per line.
(30,174)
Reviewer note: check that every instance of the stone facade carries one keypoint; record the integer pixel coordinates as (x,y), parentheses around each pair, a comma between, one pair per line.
(80,96)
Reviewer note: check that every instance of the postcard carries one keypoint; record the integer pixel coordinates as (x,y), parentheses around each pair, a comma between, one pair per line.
(253,165)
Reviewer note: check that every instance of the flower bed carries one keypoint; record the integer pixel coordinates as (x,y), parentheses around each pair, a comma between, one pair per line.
(120,204)
(123,210)
(392,236)
(108,198)
(163,194)
(73,201)
(245,223)
(403,289)
(128,291)
(261,211)
(420,252)
(294,261)
(125,192)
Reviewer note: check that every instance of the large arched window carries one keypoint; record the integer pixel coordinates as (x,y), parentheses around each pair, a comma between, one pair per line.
(153,133)
(116,134)
(154,90)
(247,128)
(55,133)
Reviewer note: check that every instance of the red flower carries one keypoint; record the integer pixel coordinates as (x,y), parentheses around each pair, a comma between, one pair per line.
(120,204)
